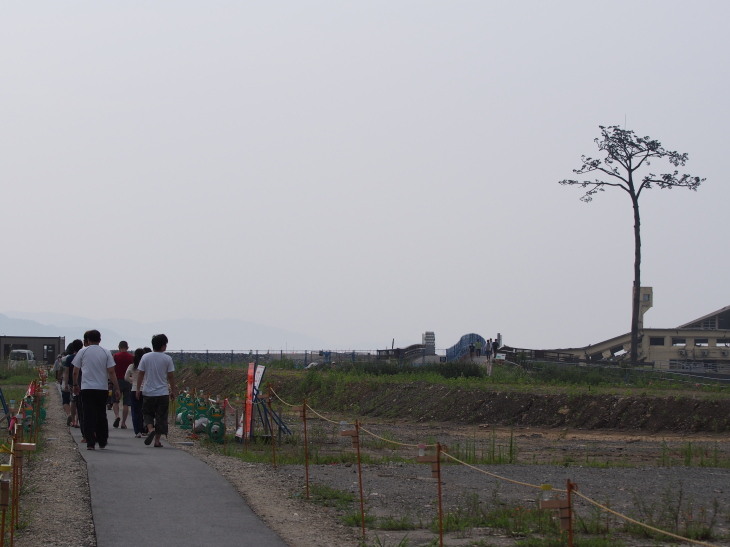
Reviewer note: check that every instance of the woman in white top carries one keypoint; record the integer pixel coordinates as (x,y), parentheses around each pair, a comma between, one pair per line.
(131,376)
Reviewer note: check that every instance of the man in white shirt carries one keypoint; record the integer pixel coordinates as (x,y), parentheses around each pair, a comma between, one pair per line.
(96,366)
(156,371)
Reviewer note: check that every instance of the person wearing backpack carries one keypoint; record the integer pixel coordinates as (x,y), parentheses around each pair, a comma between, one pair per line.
(71,404)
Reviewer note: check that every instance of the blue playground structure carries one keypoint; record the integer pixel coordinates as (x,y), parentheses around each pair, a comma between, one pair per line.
(461,348)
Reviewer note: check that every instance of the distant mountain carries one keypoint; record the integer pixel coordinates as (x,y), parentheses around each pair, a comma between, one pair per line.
(10,326)
(184,334)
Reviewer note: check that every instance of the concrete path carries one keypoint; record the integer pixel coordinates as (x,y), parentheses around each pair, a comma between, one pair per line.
(164,496)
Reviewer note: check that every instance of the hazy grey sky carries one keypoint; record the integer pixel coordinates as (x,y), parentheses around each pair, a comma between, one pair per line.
(358,171)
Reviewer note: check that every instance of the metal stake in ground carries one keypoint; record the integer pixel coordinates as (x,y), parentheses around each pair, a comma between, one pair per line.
(435,461)
(4,502)
(303,415)
(354,434)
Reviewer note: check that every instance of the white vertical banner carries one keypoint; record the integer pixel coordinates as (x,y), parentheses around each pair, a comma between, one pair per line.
(260,369)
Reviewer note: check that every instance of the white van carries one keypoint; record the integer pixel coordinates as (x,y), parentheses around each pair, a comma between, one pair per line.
(21,357)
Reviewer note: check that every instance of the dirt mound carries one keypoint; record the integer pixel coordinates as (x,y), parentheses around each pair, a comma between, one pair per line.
(426,402)
(226,382)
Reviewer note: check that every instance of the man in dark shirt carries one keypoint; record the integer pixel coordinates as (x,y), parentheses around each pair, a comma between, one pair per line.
(122,360)
(70,401)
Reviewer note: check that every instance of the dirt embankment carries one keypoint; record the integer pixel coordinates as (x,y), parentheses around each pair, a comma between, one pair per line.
(683,413)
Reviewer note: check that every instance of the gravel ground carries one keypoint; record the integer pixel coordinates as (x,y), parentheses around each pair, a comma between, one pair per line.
(55,507)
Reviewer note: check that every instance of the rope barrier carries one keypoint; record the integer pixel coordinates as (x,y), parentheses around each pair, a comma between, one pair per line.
(396,442)
(361,428)
(280,399)
(638,523)
(586,498)
(506,479)
(226,403)
(513,481)
(325,418)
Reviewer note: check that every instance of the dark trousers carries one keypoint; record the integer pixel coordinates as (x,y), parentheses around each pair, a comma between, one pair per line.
(79,411)
(137,419)
(95,426)
(155,412)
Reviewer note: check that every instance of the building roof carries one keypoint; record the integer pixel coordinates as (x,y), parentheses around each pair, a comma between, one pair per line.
(722,315)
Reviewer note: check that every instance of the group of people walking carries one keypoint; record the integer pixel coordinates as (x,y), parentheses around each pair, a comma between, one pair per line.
(475,348)
(94,381)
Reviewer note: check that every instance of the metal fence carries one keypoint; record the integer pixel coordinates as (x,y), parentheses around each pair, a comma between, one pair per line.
(301,359)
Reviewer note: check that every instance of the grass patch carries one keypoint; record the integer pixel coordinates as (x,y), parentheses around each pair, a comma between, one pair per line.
(19,375)
(396,523)
(331,497)
(14,393)
(476,452)
(377,542)
(529,526)
(260,450)
(522,521)
(673,512)
(562,542)
(691,454)
(337,389)
(354,518)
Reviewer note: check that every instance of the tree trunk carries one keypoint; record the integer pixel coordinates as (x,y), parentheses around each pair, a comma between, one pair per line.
(637,282)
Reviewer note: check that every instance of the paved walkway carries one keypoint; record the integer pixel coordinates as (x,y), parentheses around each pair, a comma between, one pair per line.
(141,495)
